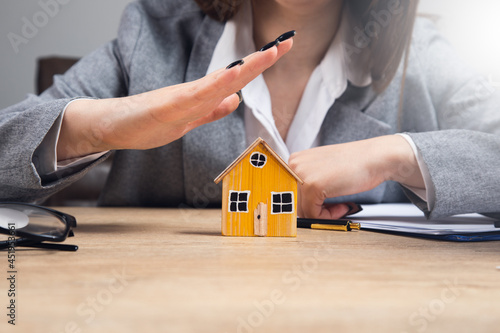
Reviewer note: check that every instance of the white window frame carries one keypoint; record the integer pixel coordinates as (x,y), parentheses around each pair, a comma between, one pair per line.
(256,166)
(238,201)
(281,203)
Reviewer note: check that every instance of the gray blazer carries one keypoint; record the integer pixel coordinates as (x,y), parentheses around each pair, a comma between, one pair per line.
(450,113)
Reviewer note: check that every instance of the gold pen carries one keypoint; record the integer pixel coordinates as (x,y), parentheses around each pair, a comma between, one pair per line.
(338,225)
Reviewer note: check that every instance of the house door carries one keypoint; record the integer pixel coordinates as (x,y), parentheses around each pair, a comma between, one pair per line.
(260,220)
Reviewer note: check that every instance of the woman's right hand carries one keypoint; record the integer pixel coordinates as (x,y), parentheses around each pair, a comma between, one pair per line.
(158,117)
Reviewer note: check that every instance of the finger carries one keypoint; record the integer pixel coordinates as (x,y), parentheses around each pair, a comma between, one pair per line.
(353,208)
(334,211)
(311,201)
(256,63)
(259,61)
(204,95)
(225,82)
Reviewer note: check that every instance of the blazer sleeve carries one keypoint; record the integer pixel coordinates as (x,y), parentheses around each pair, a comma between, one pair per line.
(102,74)
(463,155)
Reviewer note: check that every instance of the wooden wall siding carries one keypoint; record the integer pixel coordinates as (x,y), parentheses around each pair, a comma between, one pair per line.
(261,182)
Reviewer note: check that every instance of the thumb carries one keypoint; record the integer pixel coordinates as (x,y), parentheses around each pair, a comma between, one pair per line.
(334,211)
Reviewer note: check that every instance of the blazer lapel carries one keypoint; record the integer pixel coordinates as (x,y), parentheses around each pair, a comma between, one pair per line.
(354,116)
(209,149)
(203,48)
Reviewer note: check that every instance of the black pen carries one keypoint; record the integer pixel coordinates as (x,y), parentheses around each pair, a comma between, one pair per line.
(339,225)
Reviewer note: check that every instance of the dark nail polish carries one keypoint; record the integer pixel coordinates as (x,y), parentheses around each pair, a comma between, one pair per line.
(359,208)
(285,36)
(235,63)
(240,96)
(353,208)
(268,46)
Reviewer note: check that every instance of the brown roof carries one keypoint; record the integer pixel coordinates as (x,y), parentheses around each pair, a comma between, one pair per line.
(247,151)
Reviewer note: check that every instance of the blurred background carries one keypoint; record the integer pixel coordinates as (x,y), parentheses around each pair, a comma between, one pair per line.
(77,27)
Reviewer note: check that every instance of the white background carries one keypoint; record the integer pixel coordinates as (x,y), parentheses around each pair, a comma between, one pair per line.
(80,26)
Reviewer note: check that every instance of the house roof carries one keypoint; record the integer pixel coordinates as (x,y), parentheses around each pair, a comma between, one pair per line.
(247,151)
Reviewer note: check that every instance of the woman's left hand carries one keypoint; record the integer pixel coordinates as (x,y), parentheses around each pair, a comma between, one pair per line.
(350,168)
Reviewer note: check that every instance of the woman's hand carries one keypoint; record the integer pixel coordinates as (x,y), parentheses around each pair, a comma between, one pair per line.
(158,117)
(350,168)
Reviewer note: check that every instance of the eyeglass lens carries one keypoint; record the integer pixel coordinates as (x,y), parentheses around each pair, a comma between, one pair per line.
(31,220)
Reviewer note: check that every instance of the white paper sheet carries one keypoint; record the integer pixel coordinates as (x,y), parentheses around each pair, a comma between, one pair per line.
(407,218)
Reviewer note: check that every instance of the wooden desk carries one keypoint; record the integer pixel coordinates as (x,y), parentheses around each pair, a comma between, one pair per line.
(158,270)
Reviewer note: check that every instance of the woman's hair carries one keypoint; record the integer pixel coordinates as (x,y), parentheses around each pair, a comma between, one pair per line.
(220,10)
(379,33)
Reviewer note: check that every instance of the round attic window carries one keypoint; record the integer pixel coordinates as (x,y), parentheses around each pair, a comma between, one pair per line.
(258,160)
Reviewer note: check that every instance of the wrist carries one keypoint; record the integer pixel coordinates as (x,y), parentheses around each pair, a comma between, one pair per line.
(401,164)
(83,132)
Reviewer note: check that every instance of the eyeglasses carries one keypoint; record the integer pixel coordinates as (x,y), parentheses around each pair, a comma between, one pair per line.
(35,226)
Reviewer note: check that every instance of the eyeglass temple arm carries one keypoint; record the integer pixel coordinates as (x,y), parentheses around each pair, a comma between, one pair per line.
(41,245)
(53,246)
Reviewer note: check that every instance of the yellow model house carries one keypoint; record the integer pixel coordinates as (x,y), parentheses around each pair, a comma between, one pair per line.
(259,194)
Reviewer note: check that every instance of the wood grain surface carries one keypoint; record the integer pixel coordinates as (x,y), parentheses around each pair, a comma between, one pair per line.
(167,270)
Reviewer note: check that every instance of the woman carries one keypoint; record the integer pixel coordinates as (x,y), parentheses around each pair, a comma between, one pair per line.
(344,88)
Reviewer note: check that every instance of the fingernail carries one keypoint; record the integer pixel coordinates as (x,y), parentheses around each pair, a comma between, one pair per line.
(268,46)
(353,208)
(235,63)
(285,36)
(240,96)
